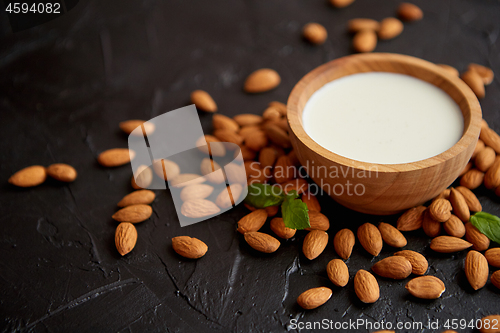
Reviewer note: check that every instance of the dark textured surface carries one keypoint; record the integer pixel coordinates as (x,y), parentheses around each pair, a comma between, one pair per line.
(65,85)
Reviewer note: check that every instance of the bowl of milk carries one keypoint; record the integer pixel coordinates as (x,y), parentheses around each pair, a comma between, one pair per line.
(381,133)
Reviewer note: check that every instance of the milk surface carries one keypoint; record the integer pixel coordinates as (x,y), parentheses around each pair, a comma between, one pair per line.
(384,118)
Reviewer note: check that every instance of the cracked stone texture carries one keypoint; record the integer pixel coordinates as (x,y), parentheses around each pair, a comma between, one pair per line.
(65,85)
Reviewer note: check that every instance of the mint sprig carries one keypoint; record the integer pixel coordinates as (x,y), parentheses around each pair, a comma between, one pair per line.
(487,224)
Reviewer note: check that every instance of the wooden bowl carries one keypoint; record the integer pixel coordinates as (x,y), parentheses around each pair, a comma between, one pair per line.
(394,187)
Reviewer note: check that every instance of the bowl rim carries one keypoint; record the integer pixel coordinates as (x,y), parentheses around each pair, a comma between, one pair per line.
(471,130)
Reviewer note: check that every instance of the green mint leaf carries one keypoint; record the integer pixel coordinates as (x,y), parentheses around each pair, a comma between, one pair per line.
(264,195)
(488,224)
(294,212)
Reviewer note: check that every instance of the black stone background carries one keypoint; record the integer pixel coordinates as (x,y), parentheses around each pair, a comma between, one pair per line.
(66,84)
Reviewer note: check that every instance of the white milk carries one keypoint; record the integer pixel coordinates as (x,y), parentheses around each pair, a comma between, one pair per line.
(383,118)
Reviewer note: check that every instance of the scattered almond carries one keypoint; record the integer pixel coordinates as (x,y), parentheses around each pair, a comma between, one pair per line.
(341,3)
(196,191)
(271,113)
(125,237)
(370,238)
(129,126)
(485,159)
(318,221)
(166,169)
(366,287)
(475,82)
(186,179)
(30,176)
(479,241)
(199,208)
(412,219)
(358,24)
(312,298)
(115,157)
(409,12)
(476,269)
(262,242)
(390,28)
(220,121)
(344,242)
(418,262)
(493,256)
(253,221)
(235,173)
(460,207)
(62,172)
(189,247)
(277,135)
(311,201)
(454,227)
(212,171)
(396,267)
(495,279)
(431,227)
(256,141)
(279,228)
(492,176)
(484,72)
(144,197)
(472,179)
(281,107)
(338,272)
(449,244)
(314,243)
(144,177)
(440,210)
(471,199)
(392,236)
(203,101)
(364,41)
(225,135)
(426,287)
(133,213)
(490,138)
(262,80)
(267,157)
(210,145)
(315,33)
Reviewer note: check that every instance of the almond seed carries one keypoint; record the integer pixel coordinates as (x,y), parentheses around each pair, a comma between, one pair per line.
(315,33)
(490,324)
(318,221)
(299,185)
(426,287)
(390,28)
(471,199)
(253,221)
(366,287)
(225,135)
(396,267)
(235,173)
(344,242)
(431,227)
(196,191)
(409,12)
(166,169)
(492,176)
(440,210)
(419,264)
(277,135)
(411,219)
(448,244)
(129,126)
(445,194)
(358,24)
(370,238)
(454,227)
(476,269)
(256,141)
(312,298)
(364,41)
(338,272)
(311,201)
(115,157)
(62,172)
(144,177)
(133,213)
(210,145)
(248,119)
(262,80)
(493,256)
(271,113)
(125,237)
(495,279)
(314,243)
(279,228)
(479,147)
(267,157)
(186,179)
(262,242)
(212,172)
(490,138)
(485,159)
(220,121)
(392,236)
(473,178)
(484,72)
(28,177)
(199,208)
(475,82)
(203,101)
(189,247)
(341,3)
(460,207)
(284,170)
(144,197)
(479,241)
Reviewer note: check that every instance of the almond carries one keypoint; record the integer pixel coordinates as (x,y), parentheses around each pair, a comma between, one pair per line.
(281,107)
(249,130)
(426,287)
(338,272)
(485,159)
(186,179)
(476,269)
(292,155)
(189,247)
(253,221)
(490,138)
(315,33)
(473,178)
(225,135)
(311,201)
(235,173)
(210,145)
(312,298)
(196,191)
(495,279)
(267,157)
(490,324)
(256,141)
(445,194)
(203,101)
(492,176)
(451,70)
(479,147)
(248,119)
(125,237)
(220,121)
(62,172)
(144,197)
(129,126)
(419,264)
(271,113)
(318,221)
(370,238)
(314,243)
(358,24)
(366,287)
(30,176)
(279,228)
(392,236)
(262,80)
(277,135)
(475,82)
(440,210)
(144,176)
(448,244)
(364,41)
(115,157)
(493,256)
(396,267)
(299,185)
(485,73)
(471,199)
(341,3)
(467,167)
(212,171)
(133,213)
(228,197)
(454,227)
(262,242)
(272,211)
(460,207)
(344,242)
(431,227)
(409,12)
(199,208)
(284,170)
(479,241)
(247,153)
(390,28)
(411,219)
(166,169)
